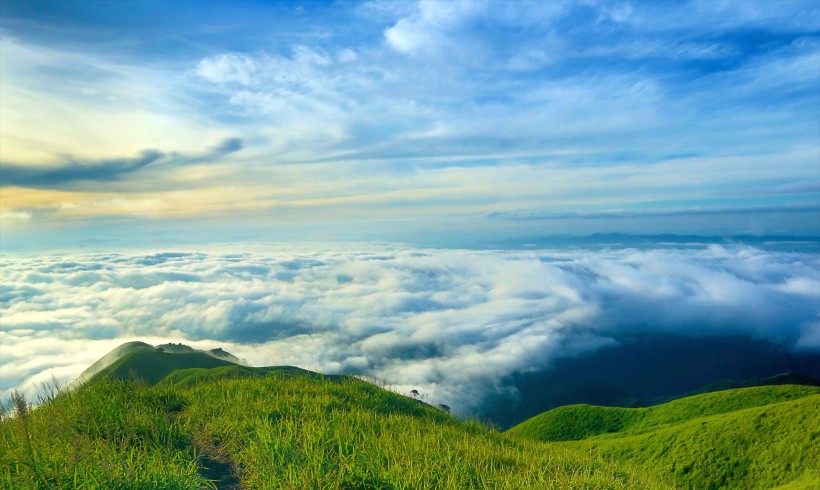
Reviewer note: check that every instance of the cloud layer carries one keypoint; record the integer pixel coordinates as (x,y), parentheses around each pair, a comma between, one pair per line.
(451,323)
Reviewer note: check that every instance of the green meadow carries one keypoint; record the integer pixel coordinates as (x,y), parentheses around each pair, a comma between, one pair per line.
(239,427)
(186,420)
(762,437)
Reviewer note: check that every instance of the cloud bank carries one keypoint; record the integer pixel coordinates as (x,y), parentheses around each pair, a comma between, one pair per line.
(450,323)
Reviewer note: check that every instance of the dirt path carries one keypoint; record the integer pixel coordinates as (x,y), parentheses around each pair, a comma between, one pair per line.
(217,469)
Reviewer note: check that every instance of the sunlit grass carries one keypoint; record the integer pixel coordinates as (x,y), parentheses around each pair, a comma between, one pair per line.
(745,438)
(280,430)
(109,434)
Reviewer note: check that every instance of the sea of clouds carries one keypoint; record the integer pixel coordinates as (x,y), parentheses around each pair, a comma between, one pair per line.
(452,324)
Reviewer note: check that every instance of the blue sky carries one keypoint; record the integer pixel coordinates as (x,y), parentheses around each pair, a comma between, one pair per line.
(183,126)
(431,122)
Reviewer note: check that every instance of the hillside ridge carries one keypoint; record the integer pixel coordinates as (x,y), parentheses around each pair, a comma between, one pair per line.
(232,426)
(123,350)
(759,437)
(581,421)
(174,417)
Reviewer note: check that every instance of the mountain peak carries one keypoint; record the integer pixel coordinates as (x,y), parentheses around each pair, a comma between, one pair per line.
(129,348)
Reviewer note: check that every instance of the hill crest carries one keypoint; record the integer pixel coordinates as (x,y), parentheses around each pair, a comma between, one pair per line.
(576,422)
(105,363)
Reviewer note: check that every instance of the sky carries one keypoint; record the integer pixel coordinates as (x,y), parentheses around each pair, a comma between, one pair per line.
(154,123)
(371,187)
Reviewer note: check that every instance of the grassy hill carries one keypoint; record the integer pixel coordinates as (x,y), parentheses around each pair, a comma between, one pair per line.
(230,426)
(180,365)
(109,359)
(152,365)
(105,363)
(183,419)
(759,437)
(787,378)
(191,376)
(648,370)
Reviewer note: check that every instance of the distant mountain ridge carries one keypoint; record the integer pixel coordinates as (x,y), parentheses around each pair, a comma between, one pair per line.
(152,366)
(218,352)
(180,365)
(787,378)
(797,243)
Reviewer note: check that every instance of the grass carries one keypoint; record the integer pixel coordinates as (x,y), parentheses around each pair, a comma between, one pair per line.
(191,376)
(152,366)
(274,428)
(745,438)
(108,434)
(188,420)
(576,422)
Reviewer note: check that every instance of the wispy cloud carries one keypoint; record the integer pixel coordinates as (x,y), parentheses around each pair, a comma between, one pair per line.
(71,171)
(567,107)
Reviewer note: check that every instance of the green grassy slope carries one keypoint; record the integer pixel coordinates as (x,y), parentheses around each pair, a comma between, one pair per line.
(152,365)
(108,359)
(191,376)
(787,378)
(575,422)
(228,427)
(745,438)
(107,362)
(760,447)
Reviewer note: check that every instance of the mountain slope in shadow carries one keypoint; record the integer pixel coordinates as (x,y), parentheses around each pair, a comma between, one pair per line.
(644,371)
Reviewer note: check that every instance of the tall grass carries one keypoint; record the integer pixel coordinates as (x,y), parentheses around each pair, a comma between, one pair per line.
(276,431)
(761,447)
(109,434)
(575,422)
(300,433)
(745,438)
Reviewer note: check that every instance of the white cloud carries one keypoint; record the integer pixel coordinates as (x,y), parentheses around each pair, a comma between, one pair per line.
(452,323)
(427,29)
(13,215)
(228,68)
(347,56)
(59,101)
(560,105)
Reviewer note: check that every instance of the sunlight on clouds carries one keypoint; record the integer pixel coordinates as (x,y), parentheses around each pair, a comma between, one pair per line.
(454,323)
(12,216)
(426,29)
(228,68)
(371,191)
(61,102)
(527,111)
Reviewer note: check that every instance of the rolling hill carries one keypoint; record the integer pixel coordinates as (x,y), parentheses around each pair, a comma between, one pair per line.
(152,366)
(649,370)
(185,420)
(181,365)
(759,437)
(117,354)
(177,418)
